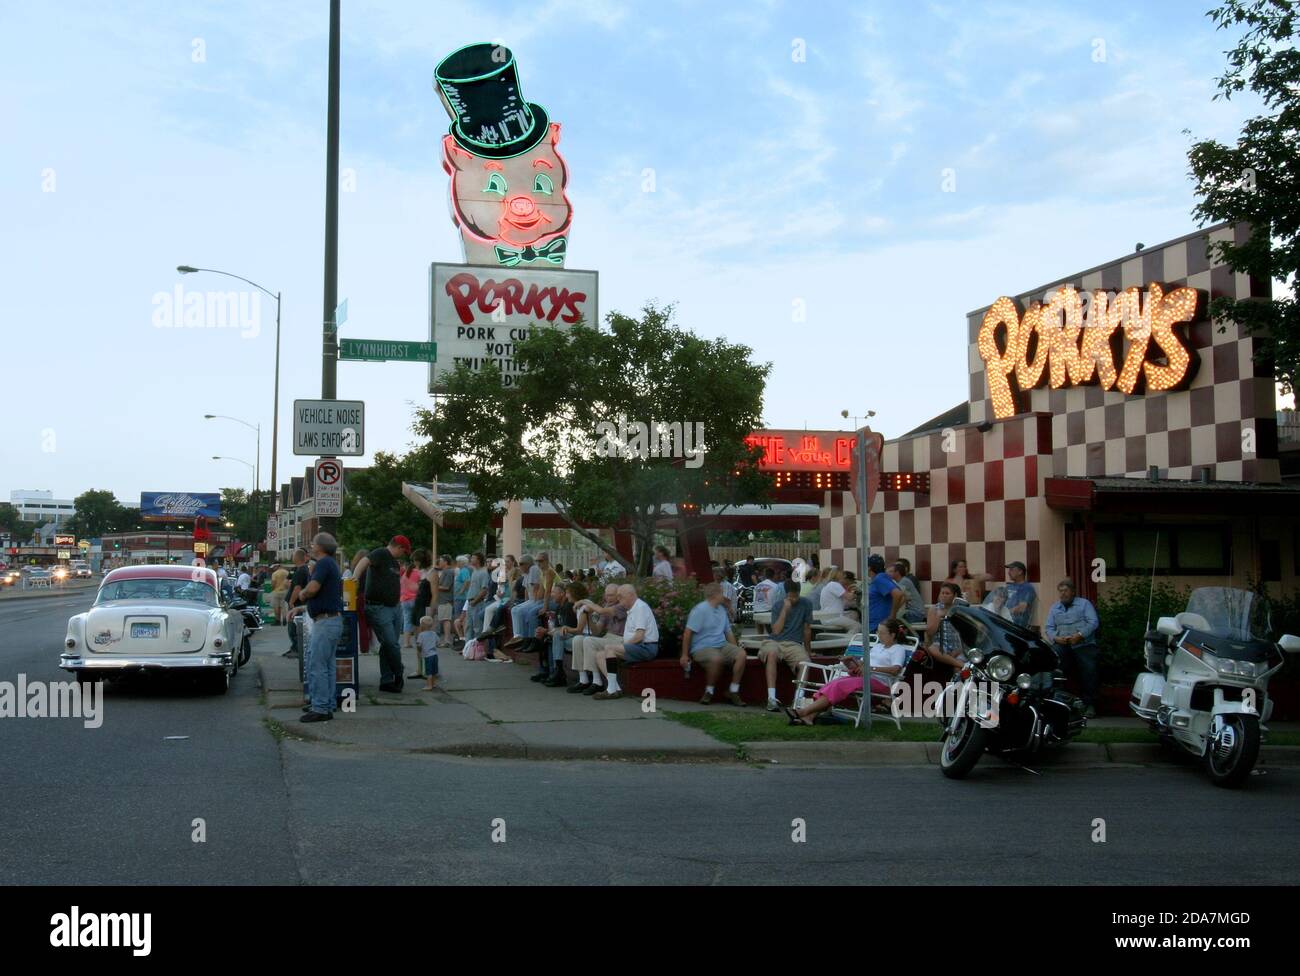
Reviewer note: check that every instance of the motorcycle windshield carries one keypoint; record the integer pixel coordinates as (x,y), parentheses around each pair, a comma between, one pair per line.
(1232,614)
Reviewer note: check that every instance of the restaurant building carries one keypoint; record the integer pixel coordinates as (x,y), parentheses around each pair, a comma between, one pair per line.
(1110,427)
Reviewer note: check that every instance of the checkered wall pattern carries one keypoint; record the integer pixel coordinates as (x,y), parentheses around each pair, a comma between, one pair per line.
(986,504)
(1105,433)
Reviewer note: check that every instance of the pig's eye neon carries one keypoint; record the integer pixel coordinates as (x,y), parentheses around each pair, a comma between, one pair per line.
(496,184)
(543,184)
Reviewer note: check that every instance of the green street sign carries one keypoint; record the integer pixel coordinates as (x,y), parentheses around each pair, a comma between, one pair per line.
(384,350)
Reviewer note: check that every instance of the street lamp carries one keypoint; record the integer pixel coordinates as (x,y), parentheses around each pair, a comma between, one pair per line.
(275,415)
(257,470)
(846,415)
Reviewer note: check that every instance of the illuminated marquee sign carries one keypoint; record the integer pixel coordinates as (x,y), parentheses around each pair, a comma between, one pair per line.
(805,459)
(1061,344)
(917,481)
(508,180)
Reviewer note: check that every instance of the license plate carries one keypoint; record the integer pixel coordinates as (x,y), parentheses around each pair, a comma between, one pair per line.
(144,630)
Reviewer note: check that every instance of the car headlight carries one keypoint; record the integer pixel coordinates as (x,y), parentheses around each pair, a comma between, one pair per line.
(1001,668)
(1023,681)
(975,657)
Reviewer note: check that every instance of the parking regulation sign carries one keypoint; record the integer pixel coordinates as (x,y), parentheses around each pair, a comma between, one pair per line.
(273,531)
(328,491)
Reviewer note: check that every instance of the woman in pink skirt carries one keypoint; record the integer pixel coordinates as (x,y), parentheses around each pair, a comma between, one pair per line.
(888,657)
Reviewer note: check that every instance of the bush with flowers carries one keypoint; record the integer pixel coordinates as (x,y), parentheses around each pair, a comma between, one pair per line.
(671,600)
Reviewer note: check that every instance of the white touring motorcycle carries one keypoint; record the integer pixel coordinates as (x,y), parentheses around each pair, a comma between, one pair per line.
(1206,684)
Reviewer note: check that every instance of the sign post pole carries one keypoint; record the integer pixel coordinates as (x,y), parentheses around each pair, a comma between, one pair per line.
(864,554)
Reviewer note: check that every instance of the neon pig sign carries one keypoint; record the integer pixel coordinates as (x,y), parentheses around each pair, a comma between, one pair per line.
(1061,343)
(508,180)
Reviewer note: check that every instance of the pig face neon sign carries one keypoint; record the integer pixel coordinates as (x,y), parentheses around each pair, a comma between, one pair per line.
(508,180)
(1059,342)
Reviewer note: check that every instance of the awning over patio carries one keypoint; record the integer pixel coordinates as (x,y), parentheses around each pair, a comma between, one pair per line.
(1143,496)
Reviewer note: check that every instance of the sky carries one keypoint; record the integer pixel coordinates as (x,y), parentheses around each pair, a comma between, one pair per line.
(834,184)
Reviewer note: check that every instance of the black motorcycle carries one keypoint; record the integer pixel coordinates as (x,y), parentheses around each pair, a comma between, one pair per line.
(237,599)
(1005,700)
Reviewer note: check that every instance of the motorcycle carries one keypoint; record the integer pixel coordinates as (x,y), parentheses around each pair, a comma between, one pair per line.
(1206,683)
(1005,699)
(236,599)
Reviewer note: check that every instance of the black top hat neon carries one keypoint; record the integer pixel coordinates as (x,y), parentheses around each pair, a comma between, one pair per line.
(479,87)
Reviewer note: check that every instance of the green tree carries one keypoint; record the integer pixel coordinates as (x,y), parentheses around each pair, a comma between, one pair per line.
(245,512)
(12,522)
(98,512)
(1258,180)
(551,435)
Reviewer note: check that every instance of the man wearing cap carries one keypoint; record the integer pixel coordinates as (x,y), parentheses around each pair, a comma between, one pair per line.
(383,606)
(1021,595)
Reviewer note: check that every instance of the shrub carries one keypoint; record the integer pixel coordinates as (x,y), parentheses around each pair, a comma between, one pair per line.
(1123,615)
(671,600)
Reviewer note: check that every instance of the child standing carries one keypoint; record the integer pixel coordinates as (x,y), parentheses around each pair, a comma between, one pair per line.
(427,640)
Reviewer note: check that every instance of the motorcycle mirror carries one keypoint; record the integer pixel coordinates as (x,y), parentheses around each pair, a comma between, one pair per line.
(1290,643)
(1169,627)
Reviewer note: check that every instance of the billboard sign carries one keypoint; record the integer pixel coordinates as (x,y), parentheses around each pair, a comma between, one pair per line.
(477,315)
(167,506)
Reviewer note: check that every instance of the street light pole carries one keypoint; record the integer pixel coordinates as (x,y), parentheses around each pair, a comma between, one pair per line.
(275,406)
(221,457)
(257,471)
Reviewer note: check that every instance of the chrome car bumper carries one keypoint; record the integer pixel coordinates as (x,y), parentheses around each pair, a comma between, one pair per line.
(79,662)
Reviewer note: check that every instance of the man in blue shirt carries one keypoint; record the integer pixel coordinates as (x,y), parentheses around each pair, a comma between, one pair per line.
(1021,595)
(324,596)
(709,642)
(1072,628)
(885,598)
(791,638)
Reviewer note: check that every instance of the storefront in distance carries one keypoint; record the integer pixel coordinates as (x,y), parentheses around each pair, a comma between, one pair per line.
(1081,457)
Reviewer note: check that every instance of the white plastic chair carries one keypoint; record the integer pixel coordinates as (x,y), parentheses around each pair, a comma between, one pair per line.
(812,677)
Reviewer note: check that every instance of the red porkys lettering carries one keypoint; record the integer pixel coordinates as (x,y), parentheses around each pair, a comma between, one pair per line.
(467,293)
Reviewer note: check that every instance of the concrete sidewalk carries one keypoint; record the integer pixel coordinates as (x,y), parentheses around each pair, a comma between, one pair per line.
(480,709)
(486,709)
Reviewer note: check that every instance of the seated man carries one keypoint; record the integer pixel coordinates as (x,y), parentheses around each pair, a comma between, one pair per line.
(547,622)
(603,623)
(640,641)
(565,630)
(791,638)
(708,641)
(523,615)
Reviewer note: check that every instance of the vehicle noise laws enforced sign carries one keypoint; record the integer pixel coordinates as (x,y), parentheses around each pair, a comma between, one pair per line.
(477,314)
(336,427)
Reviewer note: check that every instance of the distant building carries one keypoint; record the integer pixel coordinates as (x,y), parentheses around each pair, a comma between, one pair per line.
(41,507)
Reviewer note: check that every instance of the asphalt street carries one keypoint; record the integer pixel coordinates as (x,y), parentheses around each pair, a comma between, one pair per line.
(117,804)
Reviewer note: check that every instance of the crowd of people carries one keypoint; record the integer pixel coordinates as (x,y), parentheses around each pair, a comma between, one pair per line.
(410,599)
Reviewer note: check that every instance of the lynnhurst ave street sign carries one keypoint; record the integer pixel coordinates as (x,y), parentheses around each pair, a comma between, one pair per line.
(386,350)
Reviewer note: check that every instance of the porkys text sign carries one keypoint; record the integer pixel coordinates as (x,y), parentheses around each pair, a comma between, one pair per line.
(478,314)
(332,427)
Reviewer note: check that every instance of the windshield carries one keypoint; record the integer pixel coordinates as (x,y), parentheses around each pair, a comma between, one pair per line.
(192,591)
(1230,613)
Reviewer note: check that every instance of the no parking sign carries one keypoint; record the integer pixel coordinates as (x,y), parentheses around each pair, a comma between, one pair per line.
(329,487)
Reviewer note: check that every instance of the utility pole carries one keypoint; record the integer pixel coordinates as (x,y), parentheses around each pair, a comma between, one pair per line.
(329,347)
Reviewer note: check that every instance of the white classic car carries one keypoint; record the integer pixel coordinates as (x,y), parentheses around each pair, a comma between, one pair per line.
(156,618)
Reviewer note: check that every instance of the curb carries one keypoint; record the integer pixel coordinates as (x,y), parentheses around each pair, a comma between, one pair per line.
(927,754)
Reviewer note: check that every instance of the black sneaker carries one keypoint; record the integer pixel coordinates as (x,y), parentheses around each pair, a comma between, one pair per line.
(392,689)
(579,689)
(557,680)
(316,717)
(539,676)
(591,689)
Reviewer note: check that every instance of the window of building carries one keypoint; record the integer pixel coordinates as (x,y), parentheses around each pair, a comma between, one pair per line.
(1199,550)
(1270,560)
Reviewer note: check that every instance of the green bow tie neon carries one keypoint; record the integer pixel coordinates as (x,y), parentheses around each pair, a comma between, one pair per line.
(552,252)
